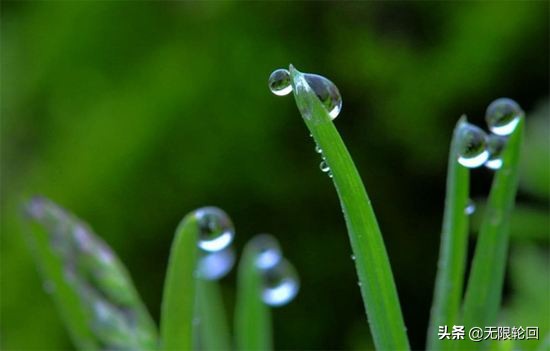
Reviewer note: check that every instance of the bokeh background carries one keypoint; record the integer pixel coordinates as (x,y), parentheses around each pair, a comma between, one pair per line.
(132,114)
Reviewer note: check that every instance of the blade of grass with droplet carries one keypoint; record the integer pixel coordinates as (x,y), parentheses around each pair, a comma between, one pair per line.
(252,315)
(178,302)
(453,249)
(214,332)
(372,263)
(91,287)
(484,289)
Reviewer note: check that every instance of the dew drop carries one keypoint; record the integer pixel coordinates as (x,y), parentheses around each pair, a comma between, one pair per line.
(470,207)
(215,229)
(503,115)
(353,257)
(216,265)
(279,82)
(268,251)
(280,284)
(327,92)
(318,149)
(324,166)
(471,146)
(495,146)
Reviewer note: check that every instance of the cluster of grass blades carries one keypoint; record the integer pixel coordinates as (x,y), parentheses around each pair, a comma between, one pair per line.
(102,310)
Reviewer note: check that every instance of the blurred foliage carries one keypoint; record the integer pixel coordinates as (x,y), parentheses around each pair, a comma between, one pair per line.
(133,113)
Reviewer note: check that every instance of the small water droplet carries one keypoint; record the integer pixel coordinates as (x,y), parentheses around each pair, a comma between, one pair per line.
(495,146)
(329,173)
(359,284)
(471,146)
(216,229)
(280,284)
(503,115)
(279,82)
(215,265)
(470,207)
(353,257)
(318,149)
(268,251)
(324,166)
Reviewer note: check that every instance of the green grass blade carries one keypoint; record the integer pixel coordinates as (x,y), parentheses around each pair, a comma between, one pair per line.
(214,332)
(373,267)
(90,286)
(252,315)
(484,290)
(453,249)
(178,302)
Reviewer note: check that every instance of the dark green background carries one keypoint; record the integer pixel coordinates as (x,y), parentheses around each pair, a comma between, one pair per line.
(132,114)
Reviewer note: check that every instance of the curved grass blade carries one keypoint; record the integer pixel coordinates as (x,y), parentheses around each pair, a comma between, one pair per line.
(252,315)
(373,267)
(453,249)
(214,332)
(178,302)
(484,289)
(91,288)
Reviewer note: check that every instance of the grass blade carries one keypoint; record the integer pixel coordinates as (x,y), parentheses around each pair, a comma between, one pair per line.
(178,302)
(453,249)
(252,315)
(214,332)
(90,286)
(373,267)
(484,290)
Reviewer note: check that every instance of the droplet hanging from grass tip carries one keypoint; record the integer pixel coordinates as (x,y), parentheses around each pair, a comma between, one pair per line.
(471,146)
(325,90)
(503,116)
(470,207)
(216,230)
(495,146)
(267,250)
(280,284)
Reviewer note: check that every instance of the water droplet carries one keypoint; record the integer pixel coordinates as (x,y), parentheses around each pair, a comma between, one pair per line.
(329,173)
(503,115)
(216,229)
(353,257)
(280,284)
(470,207)
(327,92)
(359,284)
(471,146)
(279,82)
(324,166)
(268,251)
(495,146)
(318,149)
(216,265)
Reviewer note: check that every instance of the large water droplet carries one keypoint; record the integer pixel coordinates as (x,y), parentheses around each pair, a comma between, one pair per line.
(327,92)
(495,146)
(503,116)
(471,146)
(216,265)
(215,229)
(324,166)
(470,207)
(268,251)
(279,82)
(280,284)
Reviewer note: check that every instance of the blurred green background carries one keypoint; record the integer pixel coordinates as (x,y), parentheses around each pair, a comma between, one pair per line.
(132,114)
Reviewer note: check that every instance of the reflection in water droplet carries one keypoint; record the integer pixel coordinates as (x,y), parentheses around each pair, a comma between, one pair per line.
(216,229)
(327,92)
(279,82)
(470,207)
(495,146)
(268,251)
(216,265)
(503,115)
(471,146)
(324,166)
(280,284)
